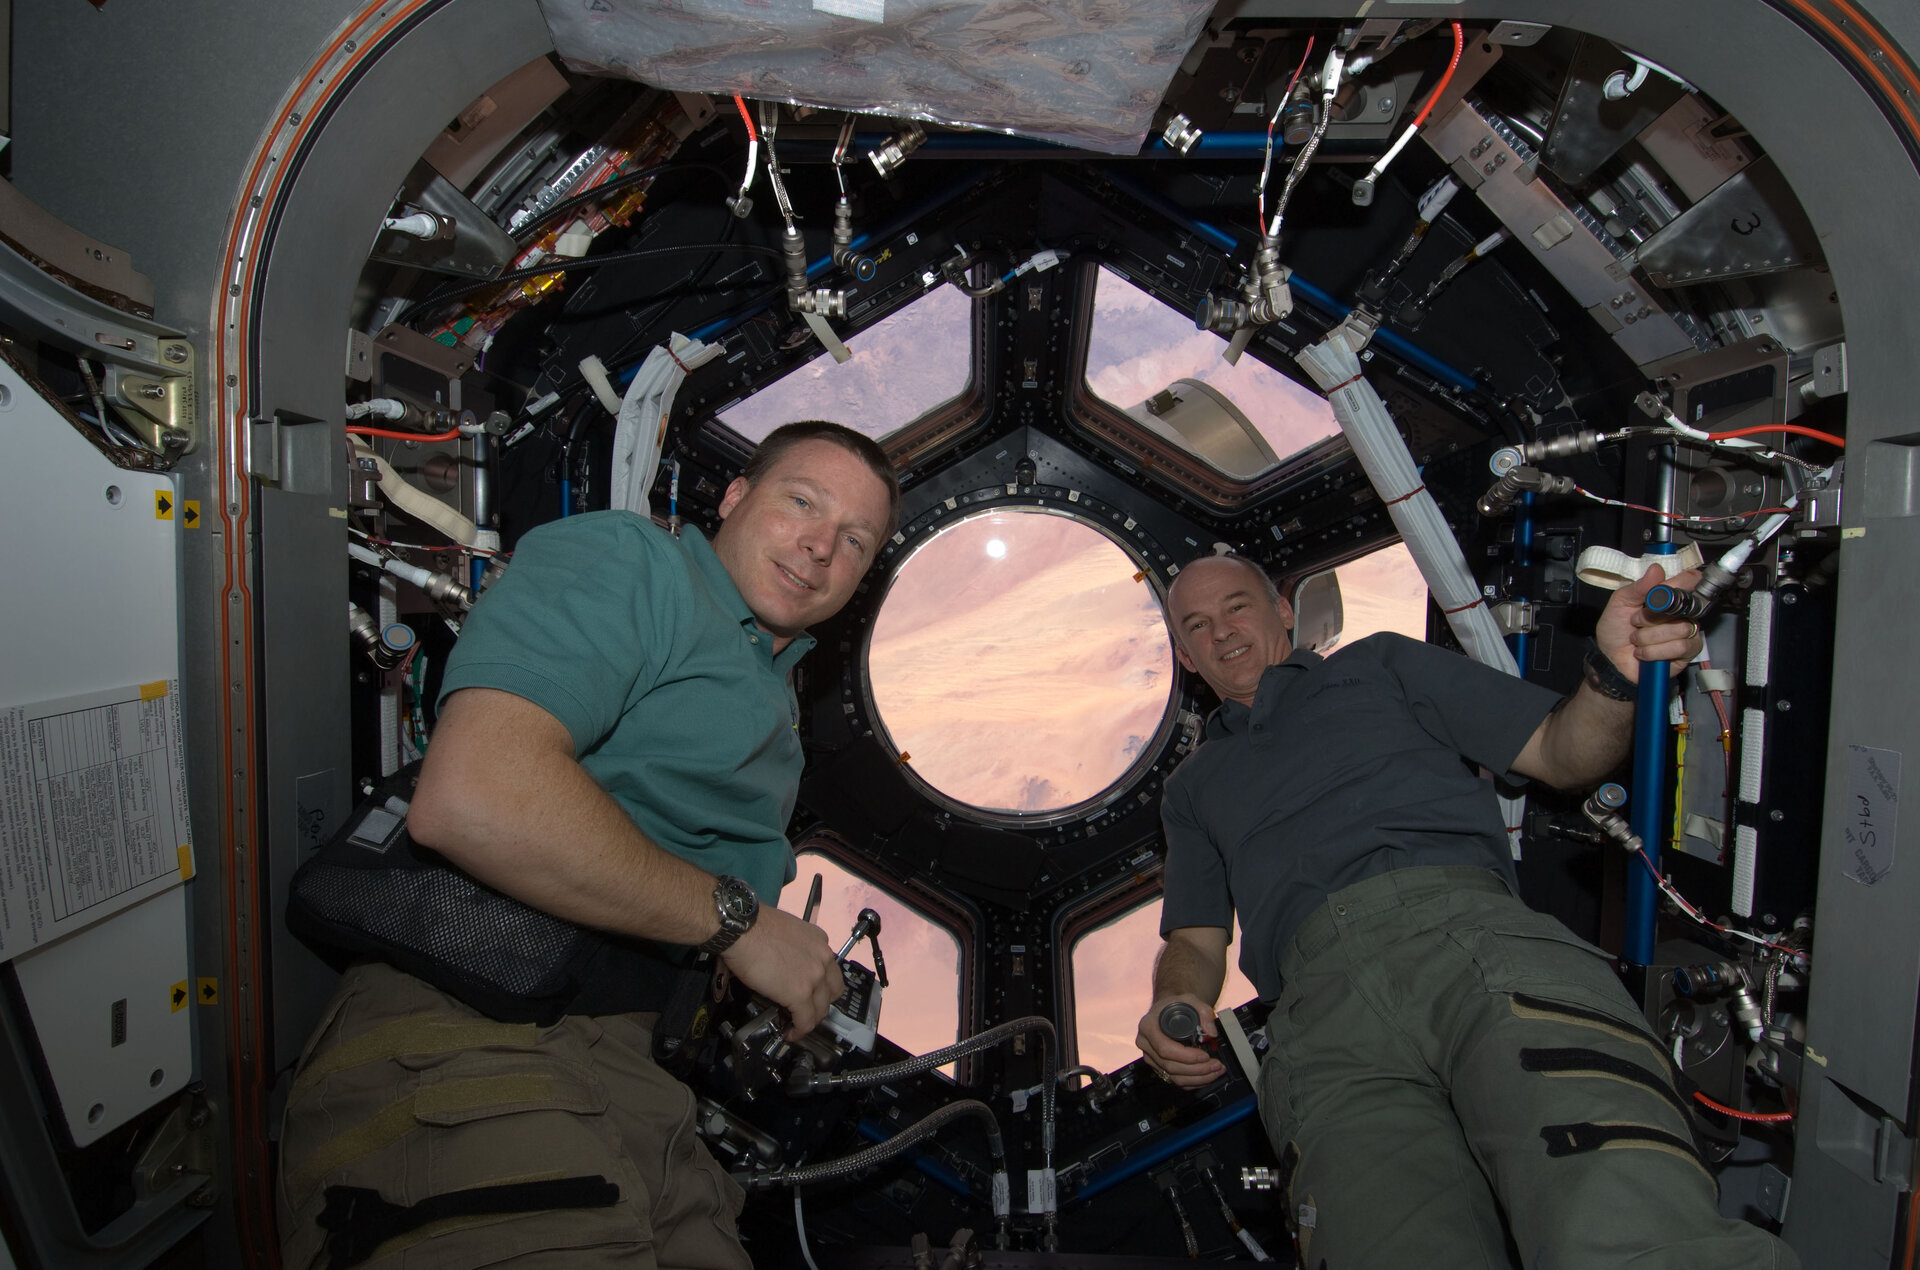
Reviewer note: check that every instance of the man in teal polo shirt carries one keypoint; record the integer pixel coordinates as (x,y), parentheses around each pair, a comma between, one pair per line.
(618,746)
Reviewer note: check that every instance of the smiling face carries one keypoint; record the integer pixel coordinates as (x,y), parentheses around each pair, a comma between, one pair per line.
(798,539)
(1226,628)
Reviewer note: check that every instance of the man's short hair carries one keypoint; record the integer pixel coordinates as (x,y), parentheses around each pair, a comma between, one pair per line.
(1267,584)
(865,448)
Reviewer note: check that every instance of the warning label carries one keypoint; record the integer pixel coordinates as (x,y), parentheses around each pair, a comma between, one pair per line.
(93,809)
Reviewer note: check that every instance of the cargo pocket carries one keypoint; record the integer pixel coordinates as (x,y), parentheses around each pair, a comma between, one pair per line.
(485,1119)
(1541,965)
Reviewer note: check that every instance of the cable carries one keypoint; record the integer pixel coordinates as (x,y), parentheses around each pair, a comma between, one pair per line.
(799,1213)
(879,1153)
(1363,188)
(1267,165)
(591,262)
(1668,889)
(1674,516)
(1459,43)
(1794,428)
(752,134)
(361,430)
(605,188)
(1758,1117)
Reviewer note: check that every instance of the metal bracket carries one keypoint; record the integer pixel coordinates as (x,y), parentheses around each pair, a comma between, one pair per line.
(1514,617)
(1892,1154)
(477,246)
(1751,225)
(263,449)
(184,1145)
(163,410)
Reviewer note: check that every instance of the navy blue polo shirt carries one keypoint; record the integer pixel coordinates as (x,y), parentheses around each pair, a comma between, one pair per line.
(1344,768)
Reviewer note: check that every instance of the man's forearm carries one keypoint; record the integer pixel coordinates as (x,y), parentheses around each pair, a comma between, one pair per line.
(1186,970)
(1582,740)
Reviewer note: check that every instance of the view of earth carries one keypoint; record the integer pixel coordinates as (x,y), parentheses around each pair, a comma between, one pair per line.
(1139,345)
(902,366)
(1020,661)
(920,1007)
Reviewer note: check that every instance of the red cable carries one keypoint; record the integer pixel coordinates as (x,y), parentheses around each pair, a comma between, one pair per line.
(740,102)
(360,430)
(1459,43)
(1760,1117)
(1815,433)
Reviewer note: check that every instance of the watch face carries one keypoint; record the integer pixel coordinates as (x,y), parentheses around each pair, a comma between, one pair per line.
(738,900)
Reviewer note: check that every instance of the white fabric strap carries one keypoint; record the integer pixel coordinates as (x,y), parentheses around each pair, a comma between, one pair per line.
(640,426)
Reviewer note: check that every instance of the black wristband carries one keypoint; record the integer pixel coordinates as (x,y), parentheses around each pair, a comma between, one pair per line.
(1605,678)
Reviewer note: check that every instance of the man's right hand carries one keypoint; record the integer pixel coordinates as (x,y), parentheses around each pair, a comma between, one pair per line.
(1183,1065)
(791,963)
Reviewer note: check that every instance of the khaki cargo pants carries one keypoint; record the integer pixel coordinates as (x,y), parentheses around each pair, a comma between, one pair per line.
(405,1091)
(1445,1058)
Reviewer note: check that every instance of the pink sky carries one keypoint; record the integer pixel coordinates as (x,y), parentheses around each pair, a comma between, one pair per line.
(1020,662)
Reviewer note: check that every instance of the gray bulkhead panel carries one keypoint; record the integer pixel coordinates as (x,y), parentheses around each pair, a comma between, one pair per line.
(343,188)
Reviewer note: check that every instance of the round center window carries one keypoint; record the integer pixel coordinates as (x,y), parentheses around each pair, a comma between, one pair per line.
(1020,662)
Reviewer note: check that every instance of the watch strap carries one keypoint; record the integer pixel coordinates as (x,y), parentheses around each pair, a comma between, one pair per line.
(1601,675)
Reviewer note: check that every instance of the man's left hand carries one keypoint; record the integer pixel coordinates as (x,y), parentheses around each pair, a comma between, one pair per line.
(1628,634)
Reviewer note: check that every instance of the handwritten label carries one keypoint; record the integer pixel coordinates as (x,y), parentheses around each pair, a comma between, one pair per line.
(1872,812)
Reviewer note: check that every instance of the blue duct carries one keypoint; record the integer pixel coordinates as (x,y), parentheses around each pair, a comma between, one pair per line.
(1649,816)
(1160,1152)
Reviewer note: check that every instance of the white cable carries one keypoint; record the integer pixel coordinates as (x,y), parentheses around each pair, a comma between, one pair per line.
(377,408)
(1393,152)
(640,421)
(1334,364)
(594,371)
(422,225)
(1679,1050)
(800,1229)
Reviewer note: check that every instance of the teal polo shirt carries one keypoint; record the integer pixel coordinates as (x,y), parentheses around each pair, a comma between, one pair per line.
(640,644)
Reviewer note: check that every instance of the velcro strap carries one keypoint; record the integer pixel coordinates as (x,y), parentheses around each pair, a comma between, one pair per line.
(357,1220)
(1578,1139)
(1586,1062)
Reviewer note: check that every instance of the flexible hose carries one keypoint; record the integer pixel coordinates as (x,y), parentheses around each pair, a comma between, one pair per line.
(940,1058)
(881,1152)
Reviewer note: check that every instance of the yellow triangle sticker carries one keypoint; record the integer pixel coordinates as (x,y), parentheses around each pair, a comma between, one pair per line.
(209,992)
(163,504)
(177,997)
(185,857)
(190,512)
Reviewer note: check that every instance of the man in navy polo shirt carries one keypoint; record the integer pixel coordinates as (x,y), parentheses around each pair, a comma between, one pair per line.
(1448,1068)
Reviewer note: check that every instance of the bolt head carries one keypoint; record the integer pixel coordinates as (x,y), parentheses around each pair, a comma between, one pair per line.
(175,353)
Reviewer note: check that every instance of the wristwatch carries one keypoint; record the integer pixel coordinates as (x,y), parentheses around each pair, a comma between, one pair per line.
(1605,678)
(737,907)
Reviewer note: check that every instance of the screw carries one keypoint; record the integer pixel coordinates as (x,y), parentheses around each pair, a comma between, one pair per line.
(1776,815)
(175,353)
(153,392)
(1783,704)
(1789,597)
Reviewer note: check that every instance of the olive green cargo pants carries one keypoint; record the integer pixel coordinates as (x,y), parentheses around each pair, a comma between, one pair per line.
(1445,1060)
(407,1092)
